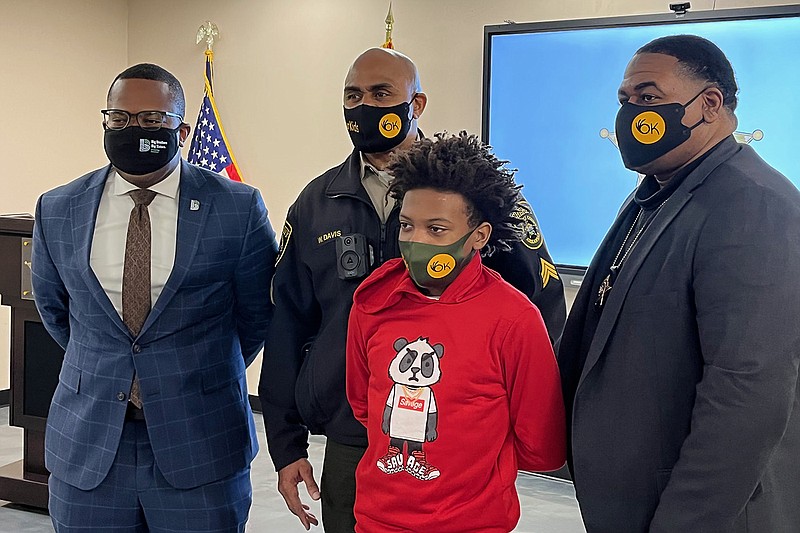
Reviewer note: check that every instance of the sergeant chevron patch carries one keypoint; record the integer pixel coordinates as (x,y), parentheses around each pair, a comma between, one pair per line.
(548,272)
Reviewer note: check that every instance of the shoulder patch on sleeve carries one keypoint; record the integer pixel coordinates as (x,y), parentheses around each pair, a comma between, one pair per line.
(532,237)
(286,234)
(547,272)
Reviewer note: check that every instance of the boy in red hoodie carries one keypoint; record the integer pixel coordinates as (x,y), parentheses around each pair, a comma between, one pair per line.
(448,366)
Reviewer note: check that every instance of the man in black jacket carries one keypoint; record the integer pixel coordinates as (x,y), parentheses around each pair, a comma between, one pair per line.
(679,361)
(342,227)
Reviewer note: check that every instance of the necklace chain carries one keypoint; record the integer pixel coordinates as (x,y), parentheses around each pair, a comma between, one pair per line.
(608,281)
(614,264)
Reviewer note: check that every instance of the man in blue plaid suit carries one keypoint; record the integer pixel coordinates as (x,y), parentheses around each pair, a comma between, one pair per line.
(150,427)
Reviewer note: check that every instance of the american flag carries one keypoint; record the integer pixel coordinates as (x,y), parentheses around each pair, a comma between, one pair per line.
(210,148)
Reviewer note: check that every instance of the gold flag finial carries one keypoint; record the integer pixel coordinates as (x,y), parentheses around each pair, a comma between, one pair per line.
(208,32)
(389,23)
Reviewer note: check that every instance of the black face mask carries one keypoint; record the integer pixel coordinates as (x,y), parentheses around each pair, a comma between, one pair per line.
(136,151)
(645,133)
(377,129)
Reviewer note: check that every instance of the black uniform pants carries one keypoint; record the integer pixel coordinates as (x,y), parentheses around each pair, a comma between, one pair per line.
(339,486)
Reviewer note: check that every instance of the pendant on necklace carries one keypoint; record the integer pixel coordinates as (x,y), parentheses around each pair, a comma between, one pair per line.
(605,287)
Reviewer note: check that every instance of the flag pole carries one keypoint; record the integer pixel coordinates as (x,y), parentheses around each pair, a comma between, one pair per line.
(389,24)
(210,147)
(210,32)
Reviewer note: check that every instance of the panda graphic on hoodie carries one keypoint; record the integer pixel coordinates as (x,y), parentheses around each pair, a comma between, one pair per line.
(410,416)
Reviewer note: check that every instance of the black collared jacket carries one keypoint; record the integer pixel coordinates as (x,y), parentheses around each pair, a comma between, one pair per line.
(302,386)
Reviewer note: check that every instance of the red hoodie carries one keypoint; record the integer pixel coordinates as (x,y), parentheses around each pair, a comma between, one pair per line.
(456,395)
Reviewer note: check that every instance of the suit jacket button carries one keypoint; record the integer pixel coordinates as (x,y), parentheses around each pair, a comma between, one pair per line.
(121,396)
(137,348)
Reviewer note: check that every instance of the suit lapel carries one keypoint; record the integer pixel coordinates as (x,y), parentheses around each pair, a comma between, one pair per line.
(83,214)
(676,202)
(194,204)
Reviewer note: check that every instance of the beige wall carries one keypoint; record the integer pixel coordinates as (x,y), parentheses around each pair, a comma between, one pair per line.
(56,60)
(279,69)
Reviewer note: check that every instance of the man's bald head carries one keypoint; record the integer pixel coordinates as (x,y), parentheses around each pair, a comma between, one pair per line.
(381,78)
(390,63)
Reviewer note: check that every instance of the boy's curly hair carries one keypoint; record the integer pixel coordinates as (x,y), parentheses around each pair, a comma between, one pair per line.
(464,165)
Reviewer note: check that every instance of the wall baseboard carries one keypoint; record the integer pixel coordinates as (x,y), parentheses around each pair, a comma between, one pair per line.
(255,403)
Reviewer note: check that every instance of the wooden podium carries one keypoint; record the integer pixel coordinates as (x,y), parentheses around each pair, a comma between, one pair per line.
(35,364)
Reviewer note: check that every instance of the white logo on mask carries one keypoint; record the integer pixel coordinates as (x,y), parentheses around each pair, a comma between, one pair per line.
(153,146)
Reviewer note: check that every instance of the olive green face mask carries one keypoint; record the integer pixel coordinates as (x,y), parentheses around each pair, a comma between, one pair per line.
(433,267)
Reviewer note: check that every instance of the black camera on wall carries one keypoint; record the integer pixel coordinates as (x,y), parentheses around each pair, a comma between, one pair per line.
(681,8)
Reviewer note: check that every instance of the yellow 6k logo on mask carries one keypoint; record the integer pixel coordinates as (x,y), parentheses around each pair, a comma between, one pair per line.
(441,265)
(390,125)
(648,127)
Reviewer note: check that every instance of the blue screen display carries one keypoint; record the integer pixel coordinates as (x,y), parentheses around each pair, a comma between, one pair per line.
(553,102)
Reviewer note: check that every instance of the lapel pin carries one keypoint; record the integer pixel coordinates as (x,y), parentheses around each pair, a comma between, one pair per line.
(194,205)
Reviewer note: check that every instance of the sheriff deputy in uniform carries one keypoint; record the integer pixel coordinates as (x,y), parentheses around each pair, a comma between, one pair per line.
(342,227)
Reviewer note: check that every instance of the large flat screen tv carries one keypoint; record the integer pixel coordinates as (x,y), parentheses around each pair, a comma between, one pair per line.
(550,101)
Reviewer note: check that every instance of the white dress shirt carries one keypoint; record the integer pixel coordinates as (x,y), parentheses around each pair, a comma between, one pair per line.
(107,256)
